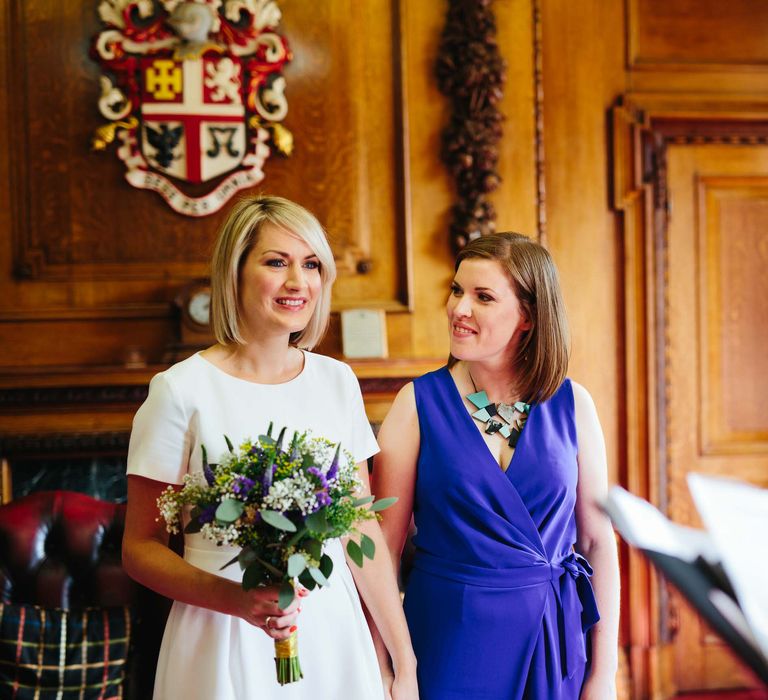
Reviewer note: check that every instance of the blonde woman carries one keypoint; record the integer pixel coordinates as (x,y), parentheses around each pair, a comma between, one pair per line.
(272,272)
(501,460)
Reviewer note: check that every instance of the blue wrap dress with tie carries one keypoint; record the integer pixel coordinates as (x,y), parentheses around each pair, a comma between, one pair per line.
(498,602)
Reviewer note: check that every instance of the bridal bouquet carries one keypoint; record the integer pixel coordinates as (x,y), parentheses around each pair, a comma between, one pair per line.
(279,503)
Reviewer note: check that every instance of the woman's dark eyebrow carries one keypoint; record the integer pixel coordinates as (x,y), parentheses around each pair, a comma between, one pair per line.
(287,255)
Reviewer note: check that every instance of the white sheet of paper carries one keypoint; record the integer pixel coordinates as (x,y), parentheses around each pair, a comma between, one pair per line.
(364,333)
(644,526)
(736,517)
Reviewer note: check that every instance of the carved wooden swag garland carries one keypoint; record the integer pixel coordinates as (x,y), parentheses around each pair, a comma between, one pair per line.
(471,73)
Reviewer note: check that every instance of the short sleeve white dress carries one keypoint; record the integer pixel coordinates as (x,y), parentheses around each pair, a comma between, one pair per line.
(210,655)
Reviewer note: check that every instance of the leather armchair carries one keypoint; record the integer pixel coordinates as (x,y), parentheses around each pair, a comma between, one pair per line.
(62,550)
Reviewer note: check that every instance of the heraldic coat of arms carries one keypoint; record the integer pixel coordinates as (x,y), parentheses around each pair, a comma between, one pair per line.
(194,93)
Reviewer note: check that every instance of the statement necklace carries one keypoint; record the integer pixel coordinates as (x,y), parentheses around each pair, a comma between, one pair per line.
(514,415)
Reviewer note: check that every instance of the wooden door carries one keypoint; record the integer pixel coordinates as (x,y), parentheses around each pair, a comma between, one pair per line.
(716,359)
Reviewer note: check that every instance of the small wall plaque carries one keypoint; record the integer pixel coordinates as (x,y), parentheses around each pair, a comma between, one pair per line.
(364,333)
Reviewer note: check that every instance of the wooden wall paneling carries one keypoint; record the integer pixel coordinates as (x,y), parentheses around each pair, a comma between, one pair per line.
(698,34)
(704,349)
(633,200)
(345,99)
(684,46)
(7,139)
(84,241)
(425,332)
(519,30)
(733,308)
(657,133)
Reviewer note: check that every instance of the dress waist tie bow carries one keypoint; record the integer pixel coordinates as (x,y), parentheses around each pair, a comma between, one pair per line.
(577,607)
(570,598)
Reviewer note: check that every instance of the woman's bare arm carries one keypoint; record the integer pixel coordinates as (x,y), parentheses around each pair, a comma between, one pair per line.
(597,543)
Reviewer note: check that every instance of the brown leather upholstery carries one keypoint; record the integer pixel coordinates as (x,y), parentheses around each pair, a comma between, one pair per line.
(61,549)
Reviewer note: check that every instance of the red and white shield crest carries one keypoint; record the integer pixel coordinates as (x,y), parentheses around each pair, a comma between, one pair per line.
(197,95)
(192,117)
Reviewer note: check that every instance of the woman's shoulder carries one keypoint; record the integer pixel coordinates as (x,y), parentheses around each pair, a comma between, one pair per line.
(330,368)
(327,363)
(580,394)
(436,375)
(182,373)
(183,383)
(583,403)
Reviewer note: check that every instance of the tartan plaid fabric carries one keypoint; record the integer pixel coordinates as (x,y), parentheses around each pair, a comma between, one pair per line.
(54,654)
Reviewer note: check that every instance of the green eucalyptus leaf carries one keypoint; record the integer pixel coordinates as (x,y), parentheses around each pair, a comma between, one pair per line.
(296,564)
(277,520)
(318,521)
(230,446)
(355,553)
(368,546)
(246,557)
(285,596)
(306,580)
(314,548)
(280,438)
(229,510)
(362,501)
(316,574)
(326,565)
(254,575)
(300,533)
(267,439)
(384,503)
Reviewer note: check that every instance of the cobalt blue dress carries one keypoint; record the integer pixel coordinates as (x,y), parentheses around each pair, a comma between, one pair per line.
(498,603)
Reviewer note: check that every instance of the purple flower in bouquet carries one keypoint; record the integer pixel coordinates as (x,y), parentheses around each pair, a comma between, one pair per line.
(333,470)
(242,486)
(268,476)
(207,514)
(323,498)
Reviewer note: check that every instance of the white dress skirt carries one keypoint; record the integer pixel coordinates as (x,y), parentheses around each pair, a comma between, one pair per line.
(208,655)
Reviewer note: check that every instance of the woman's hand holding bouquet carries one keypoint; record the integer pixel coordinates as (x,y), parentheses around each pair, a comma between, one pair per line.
(279,505)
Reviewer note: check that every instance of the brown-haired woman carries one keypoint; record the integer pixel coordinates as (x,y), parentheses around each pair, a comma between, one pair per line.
(501,460)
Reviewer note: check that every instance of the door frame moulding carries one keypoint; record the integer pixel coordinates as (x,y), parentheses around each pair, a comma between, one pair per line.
(643,126)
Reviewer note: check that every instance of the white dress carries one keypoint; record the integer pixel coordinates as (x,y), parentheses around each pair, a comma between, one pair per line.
(212,656)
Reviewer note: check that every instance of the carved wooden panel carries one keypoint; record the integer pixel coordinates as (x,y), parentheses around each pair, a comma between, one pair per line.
(75,219)
(714,315)
(733,307)
(697,33)
(689,180)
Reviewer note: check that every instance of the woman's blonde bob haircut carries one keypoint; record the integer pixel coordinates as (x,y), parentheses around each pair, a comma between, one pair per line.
(541,363)
(237,237)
